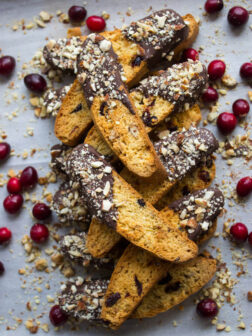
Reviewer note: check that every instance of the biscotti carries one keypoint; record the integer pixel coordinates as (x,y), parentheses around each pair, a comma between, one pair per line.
(180,153)
(172,91)
(136,272)
(112,110)
(117,204)
(101,238)
(134,66)
(181,281)
(175,151)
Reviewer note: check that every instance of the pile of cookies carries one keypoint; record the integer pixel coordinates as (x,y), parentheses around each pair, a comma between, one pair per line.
(136,170)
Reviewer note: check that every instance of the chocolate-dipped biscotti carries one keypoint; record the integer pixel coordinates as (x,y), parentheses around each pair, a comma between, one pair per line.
(131,55)
(118,205)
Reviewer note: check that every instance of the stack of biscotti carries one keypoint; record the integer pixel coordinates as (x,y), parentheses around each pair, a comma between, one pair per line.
(138,187)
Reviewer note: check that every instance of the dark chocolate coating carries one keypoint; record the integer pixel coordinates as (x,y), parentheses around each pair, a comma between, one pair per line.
(180,152)
(53,99)
(158,34)
(85,166)
(207,204)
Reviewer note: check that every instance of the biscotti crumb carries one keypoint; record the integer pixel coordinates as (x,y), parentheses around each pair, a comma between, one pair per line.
(249,296)
(41,264)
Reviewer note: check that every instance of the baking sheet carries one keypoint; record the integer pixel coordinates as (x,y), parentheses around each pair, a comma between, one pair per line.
(233,46)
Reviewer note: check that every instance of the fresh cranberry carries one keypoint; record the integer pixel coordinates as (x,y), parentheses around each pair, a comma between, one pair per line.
(2,269)
(238,16)
(216,69)
(95,23)
(240,108)
(250,238)
(29,177)
(5,235)
(244,186)
(13,203)
(39,233)
(41,211)
(191,53)
(207,308)
(4,151)
(57,316)
(246,71)
(35,83)
(210,95)
(14,185)
(226,122)
(239,232)
(213,6)
(7,65)
(77,14)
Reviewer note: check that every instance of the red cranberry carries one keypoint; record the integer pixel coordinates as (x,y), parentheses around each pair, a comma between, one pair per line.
(246,71)
(41,211)
(13,203)
(4,150)
(2,269)
(239,232)
(207,308)
(244,186)
(57,316)
(210,95)
(29,177)
(7,65)
(213,6)
(226,122)
(238,16)
(5,235)
(14,185)
(35,83)
(39,233)
(250,238)
(240,108)
(216,69)
(191,53)
(95,23)
(77,14)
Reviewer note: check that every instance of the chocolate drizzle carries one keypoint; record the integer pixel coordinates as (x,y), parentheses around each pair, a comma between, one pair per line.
(158,34)
(181,151)
(198,210)
(85,166)
(100,73)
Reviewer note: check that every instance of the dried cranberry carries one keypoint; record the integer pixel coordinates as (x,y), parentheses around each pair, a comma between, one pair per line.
(2,269)
(213,6)
(246,71)
(57,316)
(216,69)
(77,14)
(7,65)
(250,238)
(39,233)
(13,203)
(41,211)
(244,186)
(190,53)
(35,82)
(240,108)
(210,95)
(238,16)
(5,235)
(95,23)
(226,122)
(4,151)
(137,61)
(207,308)
(29,177)
(14,185)
(239,232)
